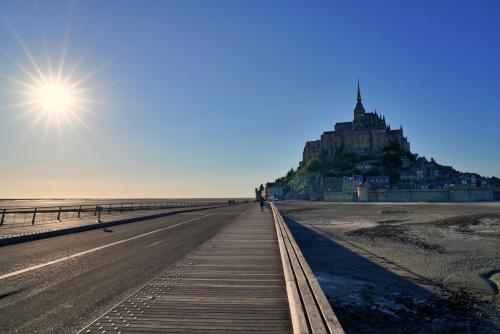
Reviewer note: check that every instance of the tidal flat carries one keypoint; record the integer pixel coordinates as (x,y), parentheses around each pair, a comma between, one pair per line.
(404,267)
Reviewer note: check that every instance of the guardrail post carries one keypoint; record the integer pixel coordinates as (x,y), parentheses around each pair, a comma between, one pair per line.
(3,216)
(59,214)
(79,211)
(98,210)
(34,217)
(95,212)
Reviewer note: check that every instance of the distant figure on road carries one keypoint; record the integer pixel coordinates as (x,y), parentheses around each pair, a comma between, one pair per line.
(261,204)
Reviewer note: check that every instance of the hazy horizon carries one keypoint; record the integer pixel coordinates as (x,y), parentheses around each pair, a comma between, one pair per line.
(185,99)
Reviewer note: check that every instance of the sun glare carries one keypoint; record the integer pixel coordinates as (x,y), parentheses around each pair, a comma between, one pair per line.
(54,95)
(55,98)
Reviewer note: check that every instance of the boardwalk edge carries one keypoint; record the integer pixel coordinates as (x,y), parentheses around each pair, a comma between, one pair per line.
(310,310)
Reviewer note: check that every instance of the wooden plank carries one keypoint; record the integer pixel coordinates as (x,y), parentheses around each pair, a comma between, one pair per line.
(329,316)
(313,313)
(233,283)
(305,276)
(297,314)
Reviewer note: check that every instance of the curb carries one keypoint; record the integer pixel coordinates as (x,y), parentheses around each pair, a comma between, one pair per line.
(50,234)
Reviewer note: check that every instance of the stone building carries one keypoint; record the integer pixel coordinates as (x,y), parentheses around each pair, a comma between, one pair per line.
(367,134)
(274,191)
(378,182)
(350,184)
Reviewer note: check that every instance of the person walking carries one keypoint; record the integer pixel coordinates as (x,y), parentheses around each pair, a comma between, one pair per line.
(261,204)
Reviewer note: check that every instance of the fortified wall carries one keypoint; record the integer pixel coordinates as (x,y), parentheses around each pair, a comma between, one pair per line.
(416,195)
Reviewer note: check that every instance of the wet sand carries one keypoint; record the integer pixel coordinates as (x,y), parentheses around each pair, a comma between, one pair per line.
(416,267)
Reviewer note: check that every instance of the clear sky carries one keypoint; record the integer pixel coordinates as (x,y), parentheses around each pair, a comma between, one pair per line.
(211,98)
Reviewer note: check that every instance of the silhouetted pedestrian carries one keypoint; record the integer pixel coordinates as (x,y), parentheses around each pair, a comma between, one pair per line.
(262,205)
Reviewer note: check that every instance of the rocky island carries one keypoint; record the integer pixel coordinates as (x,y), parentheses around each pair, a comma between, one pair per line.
(366,160)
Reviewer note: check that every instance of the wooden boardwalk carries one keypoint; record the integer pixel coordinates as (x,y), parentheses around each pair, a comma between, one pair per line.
(234,283)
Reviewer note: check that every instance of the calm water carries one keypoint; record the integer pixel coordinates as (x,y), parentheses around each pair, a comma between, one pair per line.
(24,203)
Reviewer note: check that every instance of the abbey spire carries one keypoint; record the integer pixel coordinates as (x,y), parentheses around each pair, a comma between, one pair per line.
(359,110)
(359,93)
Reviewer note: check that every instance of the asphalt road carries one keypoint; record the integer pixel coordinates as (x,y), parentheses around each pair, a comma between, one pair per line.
(59,285)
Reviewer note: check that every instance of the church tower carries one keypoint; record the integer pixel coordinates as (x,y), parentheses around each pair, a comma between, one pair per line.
(359,113)
(359,110)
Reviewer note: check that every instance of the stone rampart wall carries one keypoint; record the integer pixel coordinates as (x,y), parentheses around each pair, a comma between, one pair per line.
(340,197)
(432,195)
(415,195)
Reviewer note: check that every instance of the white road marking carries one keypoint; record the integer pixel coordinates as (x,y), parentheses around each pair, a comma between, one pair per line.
(155,243)
(64,258)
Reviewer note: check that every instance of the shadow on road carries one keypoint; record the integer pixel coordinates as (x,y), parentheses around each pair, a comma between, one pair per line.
(7,294)
(369,298)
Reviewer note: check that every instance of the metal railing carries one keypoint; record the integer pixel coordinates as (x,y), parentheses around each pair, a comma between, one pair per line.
(39,215)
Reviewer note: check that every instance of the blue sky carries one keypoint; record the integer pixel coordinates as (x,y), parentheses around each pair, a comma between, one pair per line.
(210,98)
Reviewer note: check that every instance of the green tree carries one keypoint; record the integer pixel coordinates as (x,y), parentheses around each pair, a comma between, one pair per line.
(356,171)
(345,161)
(373,172)
(313,165)
(391,160)
(394,177)
(393,147)
(411,156)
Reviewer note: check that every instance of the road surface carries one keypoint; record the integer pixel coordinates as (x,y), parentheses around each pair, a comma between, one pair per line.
(61,284)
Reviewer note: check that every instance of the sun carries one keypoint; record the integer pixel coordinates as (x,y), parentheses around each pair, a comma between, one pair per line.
(54,97)
(57,95)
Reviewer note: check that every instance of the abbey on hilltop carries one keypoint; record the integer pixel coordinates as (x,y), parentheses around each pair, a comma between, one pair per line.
(365,160)
(367,134)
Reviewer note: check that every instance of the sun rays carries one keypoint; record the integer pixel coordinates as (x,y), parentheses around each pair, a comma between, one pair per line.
(55,97)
